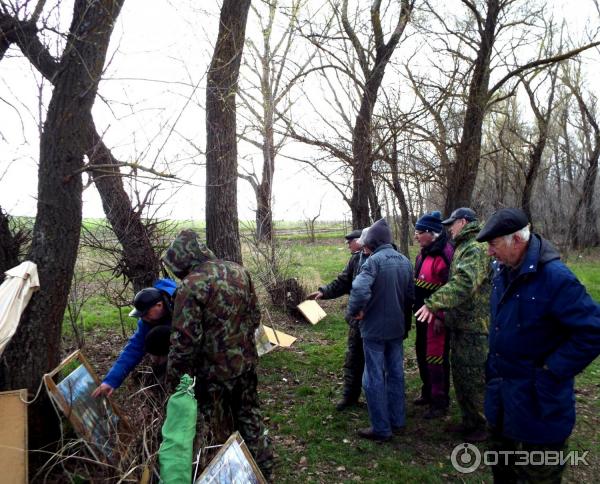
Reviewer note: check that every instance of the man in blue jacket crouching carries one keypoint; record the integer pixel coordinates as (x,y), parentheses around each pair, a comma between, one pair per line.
(154,308)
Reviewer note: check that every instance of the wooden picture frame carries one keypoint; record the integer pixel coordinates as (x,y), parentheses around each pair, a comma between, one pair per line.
(233,464)
(97,420)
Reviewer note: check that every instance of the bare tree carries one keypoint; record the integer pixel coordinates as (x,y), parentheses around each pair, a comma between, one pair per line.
(222,231)
(372,63)
(358,65)
(35,348)
(276,75)
(586,234)
(140,263)
(543,116)
(487,20)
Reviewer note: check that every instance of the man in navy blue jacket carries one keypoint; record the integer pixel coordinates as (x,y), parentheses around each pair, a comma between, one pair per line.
(381,299)
(545,329)
(153,307)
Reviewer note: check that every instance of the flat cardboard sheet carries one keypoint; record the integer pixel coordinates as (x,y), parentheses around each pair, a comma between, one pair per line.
(279,338)
(13,437)
(312,311)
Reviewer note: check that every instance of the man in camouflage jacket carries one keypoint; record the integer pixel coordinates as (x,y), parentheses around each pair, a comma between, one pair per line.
(354,361)
(465,300)
(214,319)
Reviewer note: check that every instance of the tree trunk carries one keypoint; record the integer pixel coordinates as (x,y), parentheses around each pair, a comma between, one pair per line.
(264,194)
(535,161)
(374,202)
(141,264)
(587,236)
(463,174)
(35,348)
(222,232)
(590,236)
(399,194)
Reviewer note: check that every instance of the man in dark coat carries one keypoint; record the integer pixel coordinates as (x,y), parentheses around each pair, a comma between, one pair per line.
(545,329)
(355,359)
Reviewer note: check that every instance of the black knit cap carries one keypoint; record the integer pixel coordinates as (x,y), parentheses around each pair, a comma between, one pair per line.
(503,222)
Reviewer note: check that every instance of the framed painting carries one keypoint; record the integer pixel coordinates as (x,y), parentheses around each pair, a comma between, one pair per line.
(233,464)
(97,420)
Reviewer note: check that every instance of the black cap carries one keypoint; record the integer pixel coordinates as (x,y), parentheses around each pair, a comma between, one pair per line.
(464,212)
(504,222)
(355,234)
(144,300)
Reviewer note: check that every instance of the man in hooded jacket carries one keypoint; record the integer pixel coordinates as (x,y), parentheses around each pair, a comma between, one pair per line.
(545,329)
(215,317)
(381,299)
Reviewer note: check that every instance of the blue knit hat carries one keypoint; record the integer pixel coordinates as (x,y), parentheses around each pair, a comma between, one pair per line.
(430,222)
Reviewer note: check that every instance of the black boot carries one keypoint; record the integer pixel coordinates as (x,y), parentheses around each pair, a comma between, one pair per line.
(345,403)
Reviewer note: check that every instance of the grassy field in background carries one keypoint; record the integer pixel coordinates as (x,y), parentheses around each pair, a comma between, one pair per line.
(299,387)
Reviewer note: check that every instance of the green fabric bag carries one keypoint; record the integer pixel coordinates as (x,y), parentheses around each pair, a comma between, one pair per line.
(175,455)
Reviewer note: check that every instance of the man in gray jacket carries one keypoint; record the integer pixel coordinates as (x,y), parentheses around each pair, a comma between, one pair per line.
(381,299)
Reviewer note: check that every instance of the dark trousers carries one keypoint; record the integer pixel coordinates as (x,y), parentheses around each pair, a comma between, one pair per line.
(508,472)
(354,364)
(226,406)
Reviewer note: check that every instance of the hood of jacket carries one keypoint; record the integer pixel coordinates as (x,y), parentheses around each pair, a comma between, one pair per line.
(547,250)
(468,232)
(186,253)
(378,234)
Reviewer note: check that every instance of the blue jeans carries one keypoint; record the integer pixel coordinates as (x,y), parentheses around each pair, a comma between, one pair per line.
(383,383)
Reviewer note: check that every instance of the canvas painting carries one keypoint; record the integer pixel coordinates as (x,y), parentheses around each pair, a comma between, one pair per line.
(233,464)
(97,420)
(94,413)
(279,338)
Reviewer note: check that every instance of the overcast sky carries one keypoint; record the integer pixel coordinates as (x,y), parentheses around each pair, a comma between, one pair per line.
(150,110)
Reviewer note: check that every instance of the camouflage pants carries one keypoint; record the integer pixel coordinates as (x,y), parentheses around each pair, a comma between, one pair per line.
(230,405)
(507,472)
(468,352)
(354,364)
